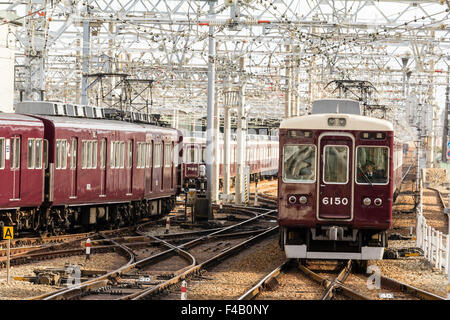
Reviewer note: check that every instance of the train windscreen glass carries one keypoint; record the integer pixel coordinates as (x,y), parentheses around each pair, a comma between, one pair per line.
(335,165)
(372,165)
(299,163)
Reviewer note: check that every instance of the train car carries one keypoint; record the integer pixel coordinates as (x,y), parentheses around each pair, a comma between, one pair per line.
(261,157)
(108,172)
(60,172)
(22,154)
(338,173)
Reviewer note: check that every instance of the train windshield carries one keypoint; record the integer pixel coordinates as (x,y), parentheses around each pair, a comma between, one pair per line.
(372,165)
(299,163)
(335,165)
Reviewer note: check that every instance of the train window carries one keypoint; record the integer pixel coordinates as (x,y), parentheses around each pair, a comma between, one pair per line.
(372,165)
(30,158)
(84,160)
(15,153)
(45,154)
(116,155)
(191,154)
(147,154)
(103,154)
(2,153)
(130,154)
(57,159)
(61,154)
(167,155)
(299,164)
(150,154)
(89,154)
(38,154)
(138,155)
(203,154)
(94,154)
(335,164)
(64,154)
(113,152)
(122,154)
(157,158)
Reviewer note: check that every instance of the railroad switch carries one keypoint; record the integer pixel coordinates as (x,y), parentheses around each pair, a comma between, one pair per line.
(402,252)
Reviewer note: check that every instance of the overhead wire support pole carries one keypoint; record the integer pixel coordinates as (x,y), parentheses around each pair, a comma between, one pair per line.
(210,111)
(85,59)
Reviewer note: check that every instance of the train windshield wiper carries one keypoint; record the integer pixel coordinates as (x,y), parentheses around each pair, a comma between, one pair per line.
(365,177)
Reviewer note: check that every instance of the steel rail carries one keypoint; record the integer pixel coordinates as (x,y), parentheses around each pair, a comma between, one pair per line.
(102,280)
(337,286)
(78,289)
(403,287)
(261,285)
(149,291)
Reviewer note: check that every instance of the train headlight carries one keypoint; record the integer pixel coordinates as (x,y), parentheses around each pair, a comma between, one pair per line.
(292,199)
(367,201)
(378,202)
(303,200)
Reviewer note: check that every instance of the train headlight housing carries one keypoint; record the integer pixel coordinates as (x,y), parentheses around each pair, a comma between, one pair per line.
(292,199)
(367,201)
(337,122)
(377,202)
(303,200)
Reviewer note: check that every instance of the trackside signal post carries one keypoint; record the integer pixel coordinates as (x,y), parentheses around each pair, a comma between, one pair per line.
(8,234)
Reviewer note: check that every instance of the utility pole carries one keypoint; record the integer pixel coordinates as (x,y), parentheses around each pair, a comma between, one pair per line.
(446,114)
(241,137)
(210,110)
(85,65)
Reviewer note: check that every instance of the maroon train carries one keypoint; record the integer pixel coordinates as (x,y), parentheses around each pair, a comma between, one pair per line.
(261,157)
(338,173)
(60,172)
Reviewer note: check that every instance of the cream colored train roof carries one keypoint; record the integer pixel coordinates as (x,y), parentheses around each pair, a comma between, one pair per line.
(353,122)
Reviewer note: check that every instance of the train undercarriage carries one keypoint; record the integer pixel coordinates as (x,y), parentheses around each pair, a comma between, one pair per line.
(332,242)
(65,218)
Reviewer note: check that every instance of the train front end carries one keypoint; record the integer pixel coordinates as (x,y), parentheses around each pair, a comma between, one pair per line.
(335,186)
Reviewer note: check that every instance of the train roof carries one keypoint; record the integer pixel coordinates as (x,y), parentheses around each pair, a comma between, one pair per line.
(100,124)
(353,122)
(18,119)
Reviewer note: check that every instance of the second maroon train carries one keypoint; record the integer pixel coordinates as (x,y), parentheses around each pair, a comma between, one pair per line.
(71,169)
(59,172)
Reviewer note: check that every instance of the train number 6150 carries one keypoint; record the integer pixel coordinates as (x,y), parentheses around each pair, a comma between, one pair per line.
(336,201)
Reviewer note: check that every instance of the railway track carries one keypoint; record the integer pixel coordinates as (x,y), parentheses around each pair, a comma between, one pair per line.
(327,284)
(144,277)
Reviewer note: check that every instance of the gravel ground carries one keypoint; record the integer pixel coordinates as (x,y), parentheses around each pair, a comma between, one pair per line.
(22,289)
(415,271)
(433,211)
(235,276)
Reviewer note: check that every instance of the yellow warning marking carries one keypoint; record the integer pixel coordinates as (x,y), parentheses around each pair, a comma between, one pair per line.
(8,233)
(411,255)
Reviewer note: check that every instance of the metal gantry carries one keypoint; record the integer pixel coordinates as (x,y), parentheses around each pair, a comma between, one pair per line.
(190,50)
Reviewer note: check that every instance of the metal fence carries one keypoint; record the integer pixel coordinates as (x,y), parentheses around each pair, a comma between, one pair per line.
(435,244)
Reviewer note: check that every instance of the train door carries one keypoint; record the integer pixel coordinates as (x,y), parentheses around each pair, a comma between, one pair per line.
(151,164)
(167,169)
(15,166)
(129,166)
(73,167)
(335,183)
(103,155)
